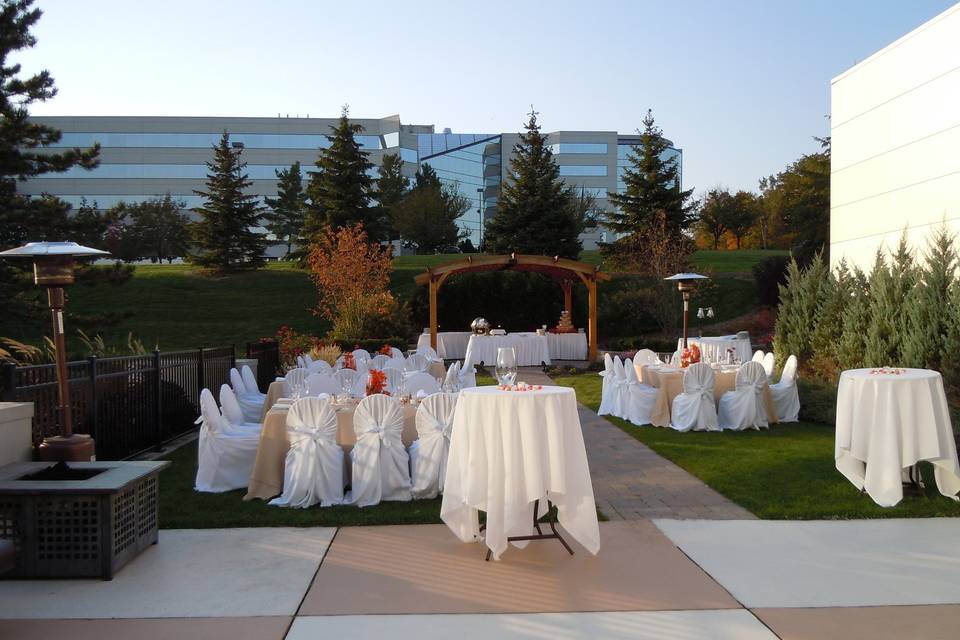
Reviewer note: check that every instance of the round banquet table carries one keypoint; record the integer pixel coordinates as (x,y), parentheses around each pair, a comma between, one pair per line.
(715,349)
(531,349)
(669,384)
(451,345)
(266,480)
(886,423)
(509,449)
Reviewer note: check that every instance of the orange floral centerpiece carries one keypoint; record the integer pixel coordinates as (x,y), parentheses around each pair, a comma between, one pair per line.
(690,356)
(386,350)
(376,381)
(349,362)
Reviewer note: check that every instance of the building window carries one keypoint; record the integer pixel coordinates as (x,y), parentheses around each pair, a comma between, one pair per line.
(583,170)
(207,140)
(579,147)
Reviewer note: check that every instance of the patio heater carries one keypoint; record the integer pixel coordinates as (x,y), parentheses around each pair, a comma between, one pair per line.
(53,264)
(685,284)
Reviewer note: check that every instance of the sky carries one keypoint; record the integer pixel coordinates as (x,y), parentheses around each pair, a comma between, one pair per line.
(742,86)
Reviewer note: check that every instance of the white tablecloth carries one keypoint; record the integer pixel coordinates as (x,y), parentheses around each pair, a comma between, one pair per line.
(715,349)
(887,423)
(531,349)
(508,449)
(567,346)
(451,345)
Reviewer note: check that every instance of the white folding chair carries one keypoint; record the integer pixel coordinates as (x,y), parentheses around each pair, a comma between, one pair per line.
(379,361)
(757,356)
(313,470)
(250,404)
(417,362)
(318,383)
(294,379)
(250,382)
(743,408)
(381,466)
(695,408)
(421,381)
(232,412)
(225,455)
(606,390)
(785,396)
(769,364)
(428,453)
(638,398)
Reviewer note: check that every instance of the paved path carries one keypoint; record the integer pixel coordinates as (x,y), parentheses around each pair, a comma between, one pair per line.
(630,481)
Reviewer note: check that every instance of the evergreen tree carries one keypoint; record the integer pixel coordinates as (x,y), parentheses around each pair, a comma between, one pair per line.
(714,213)
(224,235)
(805,206)
(427,215)
(341,191)
(652,186)
(855,318)
(392,185)
(950,355)
(535,212)
(805,291)
(889,288)
(923,341)
(828,325)
(285,217)
(159,228)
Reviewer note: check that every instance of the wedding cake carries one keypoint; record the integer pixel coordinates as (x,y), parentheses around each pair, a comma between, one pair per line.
(566,324)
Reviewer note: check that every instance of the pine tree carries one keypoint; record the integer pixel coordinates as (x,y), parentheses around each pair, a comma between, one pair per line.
(889,287)
(852,342)
(828,325)
(923,341)
(652,186)
(535,212)
(159,228)
(224,235)
(807,289)
(392,185)
(285,217)
(427,215)
(789,327)
(341,191)
(950,355)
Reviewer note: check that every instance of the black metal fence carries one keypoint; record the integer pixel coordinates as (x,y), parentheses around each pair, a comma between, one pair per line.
(267,355)
(127,403)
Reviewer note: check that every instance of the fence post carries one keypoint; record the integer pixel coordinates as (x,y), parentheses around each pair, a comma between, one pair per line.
(157,399)
(94,397)
(8,392)
(201,377)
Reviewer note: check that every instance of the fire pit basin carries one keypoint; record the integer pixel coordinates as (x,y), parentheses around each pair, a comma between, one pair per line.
(78,528)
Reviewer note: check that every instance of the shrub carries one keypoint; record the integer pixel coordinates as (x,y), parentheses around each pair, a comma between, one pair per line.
(769,275)
(818,401)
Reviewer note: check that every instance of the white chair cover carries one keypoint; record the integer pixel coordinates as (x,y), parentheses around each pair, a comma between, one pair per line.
(400,365)
(428,453)
(320,366)
(301,362)
(379,361)
(417,362)
(318,383)
(646,356)
(396,354)
(619,391)
(785,396)
(313,471)
(757,356)
(225,455)
(250,382)
(361,354)
(638,399)
(395,380)
(769,363)
(250,404)
(606,391)
(236,381)
(468,376)
(307,360)
(743,408)
(294,378)
(422,382)
(452,380)
(232,412)
(694,409)
(428,352)
(381,466)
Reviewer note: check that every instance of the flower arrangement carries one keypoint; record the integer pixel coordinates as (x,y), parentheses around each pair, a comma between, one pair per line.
(386,350)
(293,344)
(690,356)
(376,381)
(349,362)
(520,386)
(883,371)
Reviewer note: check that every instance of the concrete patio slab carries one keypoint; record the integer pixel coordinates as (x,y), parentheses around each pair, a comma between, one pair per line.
(827,563)
(425,569)
(149,629)
(190,573)
(931,622)
(654,625)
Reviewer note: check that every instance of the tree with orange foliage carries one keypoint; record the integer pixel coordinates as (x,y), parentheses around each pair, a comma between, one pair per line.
(352,277)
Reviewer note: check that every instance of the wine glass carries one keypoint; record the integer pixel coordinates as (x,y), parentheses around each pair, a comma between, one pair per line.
(506,366)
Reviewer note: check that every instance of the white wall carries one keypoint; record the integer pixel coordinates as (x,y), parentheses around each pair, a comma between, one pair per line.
(896,143)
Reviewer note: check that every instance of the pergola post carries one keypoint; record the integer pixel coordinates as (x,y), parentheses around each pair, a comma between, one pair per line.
(592,322)
(434,285)
(567,287)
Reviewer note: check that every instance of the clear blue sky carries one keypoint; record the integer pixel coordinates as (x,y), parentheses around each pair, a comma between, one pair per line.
(740,85)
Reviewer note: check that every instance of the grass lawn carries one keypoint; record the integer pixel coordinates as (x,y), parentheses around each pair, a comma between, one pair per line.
(786,472)
(732,261)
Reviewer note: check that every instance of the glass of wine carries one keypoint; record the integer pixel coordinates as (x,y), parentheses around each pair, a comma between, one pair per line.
(506,366)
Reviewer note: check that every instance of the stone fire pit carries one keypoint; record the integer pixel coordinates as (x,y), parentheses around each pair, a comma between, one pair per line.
(86,526)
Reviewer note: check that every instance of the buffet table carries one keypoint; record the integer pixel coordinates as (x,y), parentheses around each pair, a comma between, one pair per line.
(669,384)
(715,349)
(266,480)
(510,450)
(531,349)
(451,345)
(887,421)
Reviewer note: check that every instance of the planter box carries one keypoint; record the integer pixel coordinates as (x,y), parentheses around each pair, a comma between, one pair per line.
(79,528)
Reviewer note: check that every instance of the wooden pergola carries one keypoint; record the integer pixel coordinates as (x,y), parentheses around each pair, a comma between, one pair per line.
(564,271)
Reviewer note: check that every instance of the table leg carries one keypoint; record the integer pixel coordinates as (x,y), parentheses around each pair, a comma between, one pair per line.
(540,535)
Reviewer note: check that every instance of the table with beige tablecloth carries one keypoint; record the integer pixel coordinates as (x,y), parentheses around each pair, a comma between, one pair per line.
(669,383)
(266,481)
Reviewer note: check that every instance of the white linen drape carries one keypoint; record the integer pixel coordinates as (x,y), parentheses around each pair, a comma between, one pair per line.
(428,453)
(744,407)
(785,396)
(313,471)
(694,408)
(381,466)
(225,454)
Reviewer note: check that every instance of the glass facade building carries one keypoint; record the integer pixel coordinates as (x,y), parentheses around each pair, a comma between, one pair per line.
(147,157)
